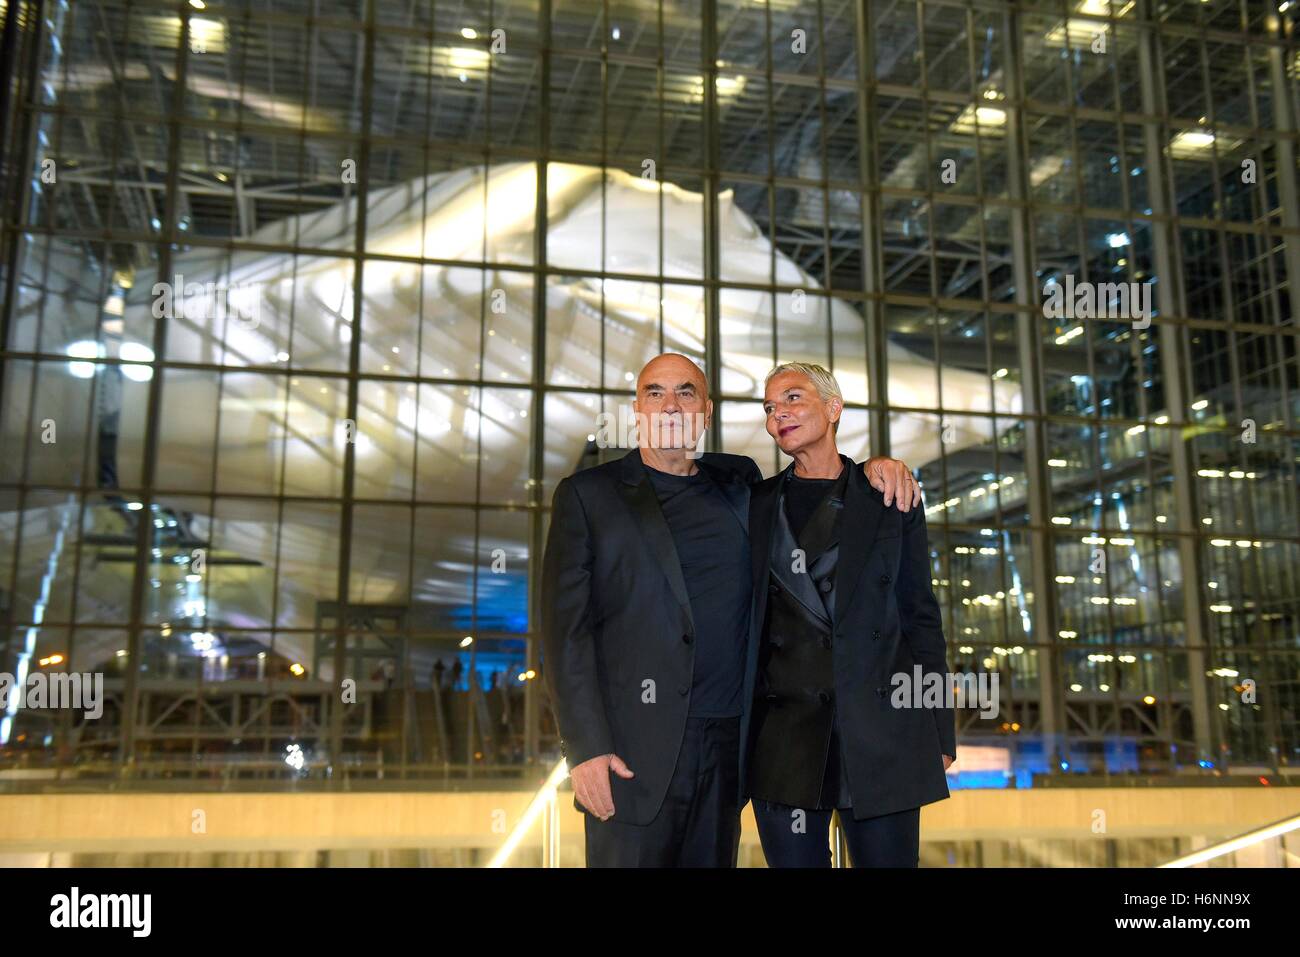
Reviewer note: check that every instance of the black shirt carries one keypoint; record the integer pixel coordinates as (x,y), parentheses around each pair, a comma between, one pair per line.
(713,549)
(802,496)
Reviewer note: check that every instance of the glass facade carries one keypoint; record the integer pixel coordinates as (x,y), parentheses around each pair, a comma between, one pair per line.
(307,307)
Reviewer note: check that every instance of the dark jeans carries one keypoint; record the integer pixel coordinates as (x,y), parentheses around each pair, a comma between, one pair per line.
(795,838)
(698,824)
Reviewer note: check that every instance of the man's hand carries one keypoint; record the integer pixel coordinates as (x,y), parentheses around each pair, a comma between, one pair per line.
(591,783)
(948,759)
(895,480)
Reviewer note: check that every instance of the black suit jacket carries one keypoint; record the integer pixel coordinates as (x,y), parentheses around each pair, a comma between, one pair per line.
(886,621)
(617,634)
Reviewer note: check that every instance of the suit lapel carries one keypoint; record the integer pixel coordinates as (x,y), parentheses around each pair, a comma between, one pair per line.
(641,499)
(761,529)
(733,489)
(799,584)
(862,515)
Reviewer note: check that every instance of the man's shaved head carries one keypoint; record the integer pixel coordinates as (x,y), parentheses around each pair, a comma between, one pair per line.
(670,370)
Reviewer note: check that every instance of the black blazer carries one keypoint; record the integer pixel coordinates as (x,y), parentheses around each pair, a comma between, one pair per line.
(617,634)
(886,621)
(792,745)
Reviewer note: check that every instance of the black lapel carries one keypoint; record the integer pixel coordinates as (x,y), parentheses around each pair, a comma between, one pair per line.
(640,497)
(798,584)
(762,525)
(861,520)
(733,489)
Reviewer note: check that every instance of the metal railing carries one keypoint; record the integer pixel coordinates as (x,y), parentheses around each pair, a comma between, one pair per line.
(1268,832)
(546,806)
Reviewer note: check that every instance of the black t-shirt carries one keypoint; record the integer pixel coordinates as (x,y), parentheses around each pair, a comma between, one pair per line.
(802,496)
(714,553)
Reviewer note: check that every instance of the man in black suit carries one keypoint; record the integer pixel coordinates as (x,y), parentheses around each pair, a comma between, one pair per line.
(645,601)
(843,606)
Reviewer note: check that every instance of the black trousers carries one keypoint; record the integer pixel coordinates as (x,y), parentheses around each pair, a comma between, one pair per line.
(792,837)
(699,822)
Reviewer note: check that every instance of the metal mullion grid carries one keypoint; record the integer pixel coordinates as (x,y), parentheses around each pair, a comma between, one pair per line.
(660,70)
(1250,570)
(1137,353)
(989,332)
(125,128)
(236,222)
(1110,644)
(1286,93)
(353,375)
(770,190)
(1173,350)
(262,128)
(999,524)
(872,226)
(1073,421)
(988,349)
(8,637)
(932,307)
(290,248)
(1028,320)
(828,280)
(287,392)
(537,458)
(603,68)
(1260,214)
(1262,218)
(482,390)
(14,89)
(408,679)
(711,253)
(1228,300)
(166,240)
(1096,424)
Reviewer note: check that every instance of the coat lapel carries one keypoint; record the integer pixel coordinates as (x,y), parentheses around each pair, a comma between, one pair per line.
(733,489)
(761,528)
(641,499)
(861,522)
(799,584)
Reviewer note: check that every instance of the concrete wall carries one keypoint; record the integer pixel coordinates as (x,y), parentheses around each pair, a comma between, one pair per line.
(465,827)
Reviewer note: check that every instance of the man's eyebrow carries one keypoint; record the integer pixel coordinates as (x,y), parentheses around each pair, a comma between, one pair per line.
(649,386)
